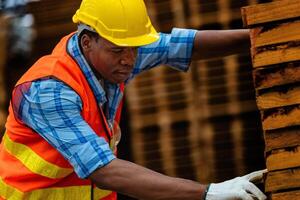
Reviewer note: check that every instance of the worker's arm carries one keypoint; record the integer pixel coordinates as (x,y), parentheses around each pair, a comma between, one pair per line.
(139,182)
(219,43)
(136,181)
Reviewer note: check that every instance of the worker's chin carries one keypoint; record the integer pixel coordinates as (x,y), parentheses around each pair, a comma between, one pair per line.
(120,78)
(117,80)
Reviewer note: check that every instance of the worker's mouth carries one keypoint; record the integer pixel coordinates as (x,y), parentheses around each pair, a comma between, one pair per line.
(123,74)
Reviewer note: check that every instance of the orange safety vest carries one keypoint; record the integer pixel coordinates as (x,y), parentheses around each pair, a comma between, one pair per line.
(30,168)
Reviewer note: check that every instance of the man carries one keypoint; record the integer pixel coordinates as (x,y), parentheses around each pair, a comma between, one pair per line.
(62,127)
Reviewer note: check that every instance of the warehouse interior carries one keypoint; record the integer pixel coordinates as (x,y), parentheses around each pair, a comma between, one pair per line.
(201,125)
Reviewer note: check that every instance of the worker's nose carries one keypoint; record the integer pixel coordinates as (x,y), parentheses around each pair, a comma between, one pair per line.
(128,57)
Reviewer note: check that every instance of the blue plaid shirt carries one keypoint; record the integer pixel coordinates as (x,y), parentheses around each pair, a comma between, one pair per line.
(52,108)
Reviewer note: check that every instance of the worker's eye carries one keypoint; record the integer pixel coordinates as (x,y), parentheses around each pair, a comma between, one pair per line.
(117,50)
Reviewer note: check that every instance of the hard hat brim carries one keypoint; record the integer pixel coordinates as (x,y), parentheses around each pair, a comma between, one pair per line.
(142,40)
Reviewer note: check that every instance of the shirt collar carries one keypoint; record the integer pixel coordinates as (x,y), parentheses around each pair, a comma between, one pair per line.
(75,52)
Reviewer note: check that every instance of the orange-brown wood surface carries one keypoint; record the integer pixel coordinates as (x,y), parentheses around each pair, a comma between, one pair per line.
(282,138)
(283,159)
(277,75)
(273,99)
(275,55)
(268,12)
(281,117)
(281,33)
(290,195)
(281,180)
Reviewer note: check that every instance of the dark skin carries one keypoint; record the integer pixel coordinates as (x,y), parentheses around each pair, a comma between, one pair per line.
(212,44)
(114,64)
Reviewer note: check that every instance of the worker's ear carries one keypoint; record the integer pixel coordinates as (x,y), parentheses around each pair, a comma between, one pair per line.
(85,42)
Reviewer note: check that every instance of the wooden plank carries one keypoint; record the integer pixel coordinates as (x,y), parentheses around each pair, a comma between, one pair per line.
(49,11)
(278,33)
(281,117)
(282,138)
(271,55)
(282,96)
(276,75)
(283,158)
(294,195)
(282,180)
(52,29)
(269,12)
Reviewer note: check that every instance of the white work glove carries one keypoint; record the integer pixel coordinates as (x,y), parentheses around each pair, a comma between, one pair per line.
(239,188)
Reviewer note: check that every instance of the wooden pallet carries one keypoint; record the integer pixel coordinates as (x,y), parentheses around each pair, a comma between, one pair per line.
(283,158)
(282,138)
(283,180)
(281,117)
(275,48)
(270,12)
(295,195)
(280,74)
(53,20)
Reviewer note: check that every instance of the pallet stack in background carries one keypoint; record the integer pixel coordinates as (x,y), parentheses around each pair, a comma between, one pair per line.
(204,124)
(3,57)
(53,20)
(275,40)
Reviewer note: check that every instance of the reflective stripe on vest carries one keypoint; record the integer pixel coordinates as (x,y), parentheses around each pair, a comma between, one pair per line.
(33,161)
(65,193)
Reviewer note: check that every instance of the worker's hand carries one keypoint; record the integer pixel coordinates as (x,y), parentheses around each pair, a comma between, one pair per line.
(241,188)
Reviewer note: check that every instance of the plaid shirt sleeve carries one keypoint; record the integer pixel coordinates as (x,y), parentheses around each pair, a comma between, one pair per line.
(174,49)
(53,109)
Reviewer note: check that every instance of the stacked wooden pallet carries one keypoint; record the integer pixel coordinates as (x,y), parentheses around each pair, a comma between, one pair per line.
(53,20)
(275,38)
(3,55)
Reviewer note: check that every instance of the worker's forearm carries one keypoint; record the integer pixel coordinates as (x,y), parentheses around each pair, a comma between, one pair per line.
(219,43)
(136,181)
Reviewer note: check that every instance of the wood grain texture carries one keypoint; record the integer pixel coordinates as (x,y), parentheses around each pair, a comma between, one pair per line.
(275,43)
(281,117)
(283,159)
(276,34)
(281,180)
(290,195)
(282,138)
(276,75)
(275,55)
(273,99)
(268,12)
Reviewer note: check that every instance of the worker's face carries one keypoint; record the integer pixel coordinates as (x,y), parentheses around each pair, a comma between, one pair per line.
(113,63)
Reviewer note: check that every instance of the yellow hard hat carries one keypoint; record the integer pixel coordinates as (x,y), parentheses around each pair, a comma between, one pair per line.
(122,22)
